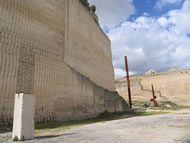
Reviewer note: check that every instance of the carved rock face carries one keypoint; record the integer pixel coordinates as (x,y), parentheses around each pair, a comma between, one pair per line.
(55,50)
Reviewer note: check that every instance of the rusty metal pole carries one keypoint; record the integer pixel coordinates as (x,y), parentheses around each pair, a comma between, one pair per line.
(153,91)
(154,100)
(128,82)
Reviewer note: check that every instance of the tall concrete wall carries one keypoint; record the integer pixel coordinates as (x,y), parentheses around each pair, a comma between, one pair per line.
(44,52)
(170,86)
(88,49)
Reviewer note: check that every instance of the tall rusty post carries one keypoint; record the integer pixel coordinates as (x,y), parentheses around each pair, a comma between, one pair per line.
(154,97)
(128,82)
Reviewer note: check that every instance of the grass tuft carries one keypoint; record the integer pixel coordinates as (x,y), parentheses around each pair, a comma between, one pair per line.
(60,126)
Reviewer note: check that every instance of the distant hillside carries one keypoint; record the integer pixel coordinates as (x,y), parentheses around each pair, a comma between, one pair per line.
(169,86)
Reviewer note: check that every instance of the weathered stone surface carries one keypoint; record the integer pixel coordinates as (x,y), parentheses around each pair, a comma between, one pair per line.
(88,49)
(57,52)
(171,86)
(23,125)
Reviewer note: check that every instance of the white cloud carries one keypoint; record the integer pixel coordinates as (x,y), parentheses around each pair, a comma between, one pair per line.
(162,21)
(120,72)
(112,12)
(152,43)
(162,3)
(180,18)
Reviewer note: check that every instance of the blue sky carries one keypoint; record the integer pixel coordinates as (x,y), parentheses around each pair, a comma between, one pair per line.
(154,34)
(150,7)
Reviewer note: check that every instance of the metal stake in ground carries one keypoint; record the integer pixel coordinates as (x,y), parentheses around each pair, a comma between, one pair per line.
(154,97)
(128,82)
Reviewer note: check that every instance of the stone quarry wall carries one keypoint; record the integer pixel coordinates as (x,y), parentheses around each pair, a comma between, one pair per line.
(88,49)
(170,86)
(54,50)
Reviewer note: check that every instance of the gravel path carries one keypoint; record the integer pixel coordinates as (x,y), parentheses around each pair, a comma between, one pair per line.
(165,128)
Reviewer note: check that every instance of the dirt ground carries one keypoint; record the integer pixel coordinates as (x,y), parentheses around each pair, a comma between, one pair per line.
(172,127)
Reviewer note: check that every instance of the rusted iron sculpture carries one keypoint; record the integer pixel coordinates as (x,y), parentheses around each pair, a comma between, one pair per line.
(128,82)
(154,97)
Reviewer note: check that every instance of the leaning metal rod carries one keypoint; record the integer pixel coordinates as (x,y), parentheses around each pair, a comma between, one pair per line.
(128,82)
(154,99)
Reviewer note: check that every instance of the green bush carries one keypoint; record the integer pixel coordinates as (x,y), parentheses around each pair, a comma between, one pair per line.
(87,5)
(15,139)
(22,139)
(93,8)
